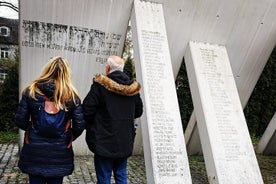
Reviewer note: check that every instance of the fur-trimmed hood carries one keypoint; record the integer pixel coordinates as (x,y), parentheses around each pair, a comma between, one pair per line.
(111,85)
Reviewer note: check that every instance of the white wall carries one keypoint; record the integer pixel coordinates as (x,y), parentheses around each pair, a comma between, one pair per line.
(85,32)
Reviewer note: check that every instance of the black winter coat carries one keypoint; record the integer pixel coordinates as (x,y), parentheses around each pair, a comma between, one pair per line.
(48,157)
(110,108)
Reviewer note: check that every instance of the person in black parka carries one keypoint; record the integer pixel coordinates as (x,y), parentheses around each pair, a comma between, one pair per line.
(48,159)
(110,108)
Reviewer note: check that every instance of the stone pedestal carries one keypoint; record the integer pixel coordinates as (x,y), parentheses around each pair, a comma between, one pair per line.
(138,143)
(228,152)
(192,139)
(267,144)
(163,139)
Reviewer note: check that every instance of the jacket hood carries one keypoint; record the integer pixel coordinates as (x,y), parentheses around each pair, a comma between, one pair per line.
(47,89)
(120,77)
(128,88)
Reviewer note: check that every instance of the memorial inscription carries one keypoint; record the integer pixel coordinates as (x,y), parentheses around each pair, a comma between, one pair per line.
(162,121)
(226,143)
(70,38)
(165,153)
(221,103)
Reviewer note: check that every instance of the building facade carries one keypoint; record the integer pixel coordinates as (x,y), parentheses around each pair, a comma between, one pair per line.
(8,37)
(8,41)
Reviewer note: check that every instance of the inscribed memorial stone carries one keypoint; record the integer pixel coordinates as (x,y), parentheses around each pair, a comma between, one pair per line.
(164,146)
(226,143)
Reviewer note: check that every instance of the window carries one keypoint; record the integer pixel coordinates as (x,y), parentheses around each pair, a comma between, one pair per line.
(2,77)
(4,31)
(4,52)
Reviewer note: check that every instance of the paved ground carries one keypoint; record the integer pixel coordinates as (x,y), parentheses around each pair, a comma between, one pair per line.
(84,172)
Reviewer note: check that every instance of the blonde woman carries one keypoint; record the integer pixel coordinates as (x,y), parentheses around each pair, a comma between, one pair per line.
(47,154)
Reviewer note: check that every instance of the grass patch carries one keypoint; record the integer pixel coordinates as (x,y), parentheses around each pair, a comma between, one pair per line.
(267,166)
(8,137)
(255,140)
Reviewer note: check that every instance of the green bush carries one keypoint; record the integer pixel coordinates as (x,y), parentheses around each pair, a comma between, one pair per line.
(184,95)
(129,68)
(262,103)
(9,94)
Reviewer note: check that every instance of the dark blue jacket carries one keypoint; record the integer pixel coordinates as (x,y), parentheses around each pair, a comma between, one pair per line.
(48,157)
(110,108)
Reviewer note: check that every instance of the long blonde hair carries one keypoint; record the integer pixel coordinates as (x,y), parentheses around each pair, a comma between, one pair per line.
(58,71)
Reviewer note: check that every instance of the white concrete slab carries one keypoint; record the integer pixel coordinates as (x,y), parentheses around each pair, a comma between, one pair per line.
(228,152)
(246,28)
(267,144)
(85,32)
(138,143)
(163,140)
(192,139)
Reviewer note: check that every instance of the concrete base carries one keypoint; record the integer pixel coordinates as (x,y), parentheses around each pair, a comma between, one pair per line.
(267,144)
(192,139)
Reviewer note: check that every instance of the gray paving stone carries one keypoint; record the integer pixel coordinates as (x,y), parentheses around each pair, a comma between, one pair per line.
(84,172)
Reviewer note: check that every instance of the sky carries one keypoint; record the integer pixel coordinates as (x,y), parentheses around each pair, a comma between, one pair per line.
(8,12)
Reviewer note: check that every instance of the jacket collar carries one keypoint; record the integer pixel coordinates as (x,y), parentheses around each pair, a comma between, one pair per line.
(111,85)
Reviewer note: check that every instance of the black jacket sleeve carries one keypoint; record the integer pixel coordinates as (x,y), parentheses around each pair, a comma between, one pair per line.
(78,122)
(138,106)
(91,102)
(22,115)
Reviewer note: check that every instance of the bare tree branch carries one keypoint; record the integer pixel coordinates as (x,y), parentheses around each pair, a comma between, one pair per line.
(10,5)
